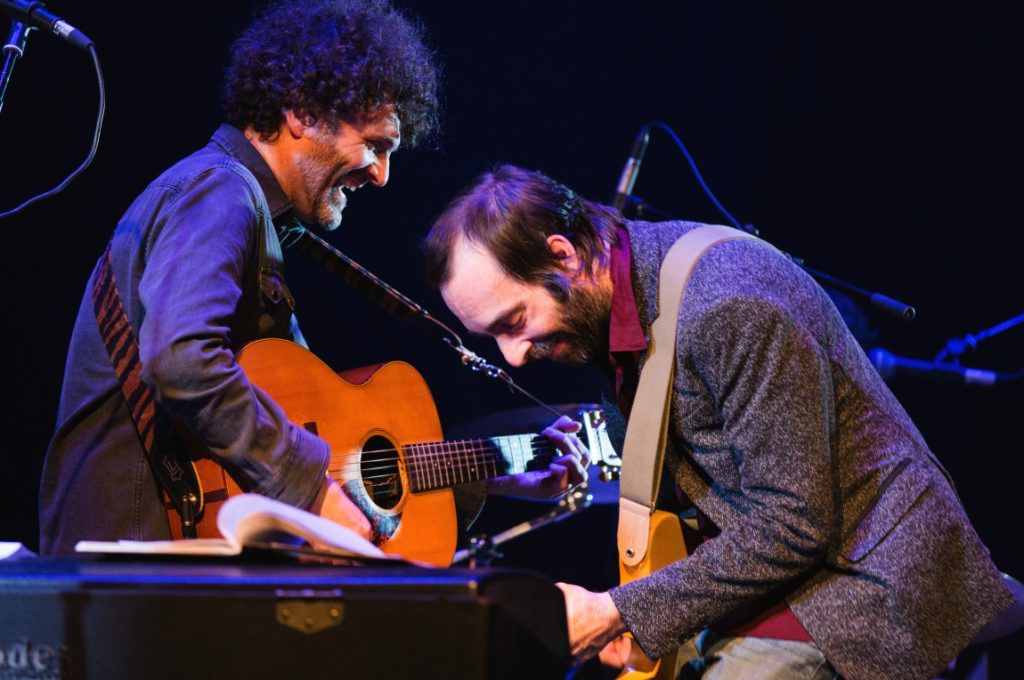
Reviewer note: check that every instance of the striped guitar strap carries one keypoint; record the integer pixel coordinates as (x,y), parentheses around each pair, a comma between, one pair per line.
(177,481)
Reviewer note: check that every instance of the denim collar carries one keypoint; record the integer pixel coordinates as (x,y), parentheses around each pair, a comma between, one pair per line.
(233,141)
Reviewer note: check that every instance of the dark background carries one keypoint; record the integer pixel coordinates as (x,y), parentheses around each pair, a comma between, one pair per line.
(879,141)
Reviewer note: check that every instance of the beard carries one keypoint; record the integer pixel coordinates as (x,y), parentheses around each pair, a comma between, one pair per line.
(318,171)
(327,207)
(586,315)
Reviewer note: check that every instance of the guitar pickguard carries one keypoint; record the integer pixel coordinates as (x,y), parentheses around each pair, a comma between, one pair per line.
(384,525)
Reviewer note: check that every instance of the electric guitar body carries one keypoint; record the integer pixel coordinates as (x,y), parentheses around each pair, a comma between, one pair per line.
(670,540)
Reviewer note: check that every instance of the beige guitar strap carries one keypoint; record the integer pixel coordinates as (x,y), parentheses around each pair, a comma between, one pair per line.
(644,449)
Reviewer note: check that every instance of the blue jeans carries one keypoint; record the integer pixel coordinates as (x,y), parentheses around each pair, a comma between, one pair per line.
(709,656)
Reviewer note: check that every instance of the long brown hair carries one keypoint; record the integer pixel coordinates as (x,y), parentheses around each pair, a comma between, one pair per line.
(511,212)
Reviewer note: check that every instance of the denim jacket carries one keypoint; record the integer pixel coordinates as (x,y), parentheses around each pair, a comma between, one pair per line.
(198,263)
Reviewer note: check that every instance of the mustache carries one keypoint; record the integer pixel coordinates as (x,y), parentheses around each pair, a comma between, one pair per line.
(542,349)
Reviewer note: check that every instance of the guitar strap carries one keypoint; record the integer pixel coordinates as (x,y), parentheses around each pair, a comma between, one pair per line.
(354,274)
(644,449)
(177,481)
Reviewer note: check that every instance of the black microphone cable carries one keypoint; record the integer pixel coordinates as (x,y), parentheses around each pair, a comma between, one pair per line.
(881,302)
(700,178)
(92,150)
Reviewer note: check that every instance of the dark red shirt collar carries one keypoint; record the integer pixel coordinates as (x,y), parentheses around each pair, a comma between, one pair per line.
(625,333)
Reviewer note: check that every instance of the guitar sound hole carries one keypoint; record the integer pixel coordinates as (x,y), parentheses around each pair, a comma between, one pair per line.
(379,470)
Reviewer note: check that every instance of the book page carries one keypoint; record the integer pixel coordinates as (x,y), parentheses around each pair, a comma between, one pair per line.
(251,519)
(196,546)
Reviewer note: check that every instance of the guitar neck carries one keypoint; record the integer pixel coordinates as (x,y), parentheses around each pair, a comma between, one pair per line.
(438,465)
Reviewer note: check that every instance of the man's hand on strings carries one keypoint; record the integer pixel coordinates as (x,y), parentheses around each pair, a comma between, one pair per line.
(332,503)
(565,472)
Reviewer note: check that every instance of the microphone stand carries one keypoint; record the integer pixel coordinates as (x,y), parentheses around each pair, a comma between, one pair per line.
(483,549)
(957,347)
(399,305)
(881,302)
(946,365)
(28,16)
(13,49)
(623,195)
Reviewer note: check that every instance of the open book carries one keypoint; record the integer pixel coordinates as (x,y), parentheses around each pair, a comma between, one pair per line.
(253,521)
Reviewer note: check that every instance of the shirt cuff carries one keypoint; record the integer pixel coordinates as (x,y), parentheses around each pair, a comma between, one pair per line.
(303,472)
(639,612)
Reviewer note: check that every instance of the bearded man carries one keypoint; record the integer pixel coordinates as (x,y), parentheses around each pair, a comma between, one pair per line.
(317,97)
(834,540)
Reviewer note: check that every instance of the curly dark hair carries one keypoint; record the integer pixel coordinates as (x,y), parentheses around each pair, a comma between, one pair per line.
(332,61)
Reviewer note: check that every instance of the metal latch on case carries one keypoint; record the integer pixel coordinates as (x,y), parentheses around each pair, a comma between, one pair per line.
(309,611)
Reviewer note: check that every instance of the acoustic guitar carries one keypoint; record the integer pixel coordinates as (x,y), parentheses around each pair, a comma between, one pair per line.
(386,447)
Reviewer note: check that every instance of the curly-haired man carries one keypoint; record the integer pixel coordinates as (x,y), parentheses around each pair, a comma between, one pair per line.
(317,97)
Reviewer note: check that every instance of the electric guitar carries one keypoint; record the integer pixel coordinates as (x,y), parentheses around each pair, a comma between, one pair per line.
(386,447)
(670,540)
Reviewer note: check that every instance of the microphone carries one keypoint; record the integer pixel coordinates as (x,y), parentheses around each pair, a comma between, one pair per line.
(888,364)
(36,15)
(632,169)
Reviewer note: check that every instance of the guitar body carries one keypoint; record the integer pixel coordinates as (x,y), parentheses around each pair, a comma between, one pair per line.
(366,425)
(670,540)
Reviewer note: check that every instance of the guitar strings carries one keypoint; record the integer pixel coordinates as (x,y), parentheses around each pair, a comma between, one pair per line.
(425,474)
(479,455)
(474,452)
(416,483)
(445,480)
(430,456)
(469,445)
(384,466)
